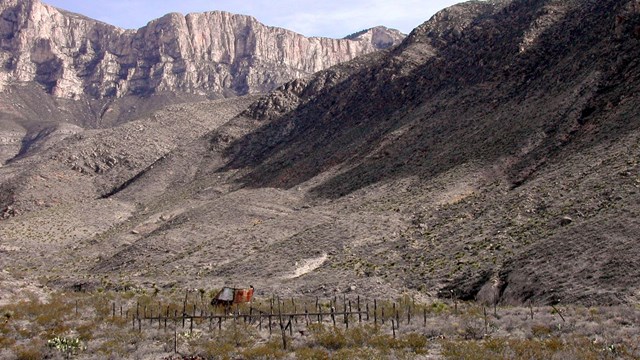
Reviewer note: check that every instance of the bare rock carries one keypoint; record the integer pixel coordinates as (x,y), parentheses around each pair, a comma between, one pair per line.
(204,53)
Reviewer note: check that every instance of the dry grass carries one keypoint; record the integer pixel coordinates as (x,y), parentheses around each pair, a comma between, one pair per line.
(33,328)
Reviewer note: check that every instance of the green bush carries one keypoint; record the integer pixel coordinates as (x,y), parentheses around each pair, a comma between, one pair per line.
(66,345)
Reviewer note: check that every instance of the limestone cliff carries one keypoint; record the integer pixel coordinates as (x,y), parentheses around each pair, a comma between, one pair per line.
(208,53)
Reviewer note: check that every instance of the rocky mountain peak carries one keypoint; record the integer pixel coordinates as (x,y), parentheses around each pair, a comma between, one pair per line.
(214,53)
(381,37)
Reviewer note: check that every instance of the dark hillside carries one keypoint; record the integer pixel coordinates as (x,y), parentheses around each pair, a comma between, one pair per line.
(475,81)
(538,98)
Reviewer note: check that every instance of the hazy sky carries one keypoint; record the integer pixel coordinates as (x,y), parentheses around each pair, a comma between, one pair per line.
(331,18)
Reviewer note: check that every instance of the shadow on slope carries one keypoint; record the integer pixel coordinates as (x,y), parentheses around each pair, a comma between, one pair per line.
(464,87)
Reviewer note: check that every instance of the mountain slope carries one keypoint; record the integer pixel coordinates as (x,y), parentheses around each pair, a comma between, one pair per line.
(59,67)
(503,96)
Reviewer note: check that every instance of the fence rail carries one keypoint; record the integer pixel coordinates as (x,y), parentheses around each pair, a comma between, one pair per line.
(274,313)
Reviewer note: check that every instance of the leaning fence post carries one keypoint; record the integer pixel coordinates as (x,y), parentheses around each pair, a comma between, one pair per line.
(559,313)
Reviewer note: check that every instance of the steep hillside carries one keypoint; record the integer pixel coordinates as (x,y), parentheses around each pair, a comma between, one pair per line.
(507,101)
(493,155)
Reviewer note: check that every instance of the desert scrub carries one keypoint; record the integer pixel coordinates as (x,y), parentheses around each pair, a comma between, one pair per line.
(366,337)
(66,345)
(270,350)
(572,348)
(234,338)
(306,353)
(28,352)
(120,343)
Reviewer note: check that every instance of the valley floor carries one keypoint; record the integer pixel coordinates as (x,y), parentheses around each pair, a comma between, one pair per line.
(170,324)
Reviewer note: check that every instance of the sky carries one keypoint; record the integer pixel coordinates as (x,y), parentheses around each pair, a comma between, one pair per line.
(329,18)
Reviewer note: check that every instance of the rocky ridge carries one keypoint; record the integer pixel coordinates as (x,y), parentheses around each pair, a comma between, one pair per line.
(214,53)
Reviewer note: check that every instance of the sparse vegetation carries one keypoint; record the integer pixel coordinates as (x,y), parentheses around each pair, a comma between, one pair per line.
(423,174)
(79,324)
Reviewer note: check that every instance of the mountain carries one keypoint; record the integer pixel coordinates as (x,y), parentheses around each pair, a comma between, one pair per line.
(492,155)
(202,53)
(63,68)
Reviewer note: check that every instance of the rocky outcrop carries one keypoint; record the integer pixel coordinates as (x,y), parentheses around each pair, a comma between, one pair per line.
(208,53)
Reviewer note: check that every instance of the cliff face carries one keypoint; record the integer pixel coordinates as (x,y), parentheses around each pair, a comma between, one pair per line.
(209,53)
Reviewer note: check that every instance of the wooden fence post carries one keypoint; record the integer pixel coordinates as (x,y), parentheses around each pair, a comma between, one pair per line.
(424,315)
(284,334)
(367,311)
(345,315)
(333,316)
(184,307)
(375,311)
(484,311)
(270,315)
(165,319)
(397,315)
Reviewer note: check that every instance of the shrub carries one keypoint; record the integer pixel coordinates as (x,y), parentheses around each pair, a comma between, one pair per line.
(312,354)
(269,350)
(24,352)
(541,331)
(66,345)
(415,342)
(333,339)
